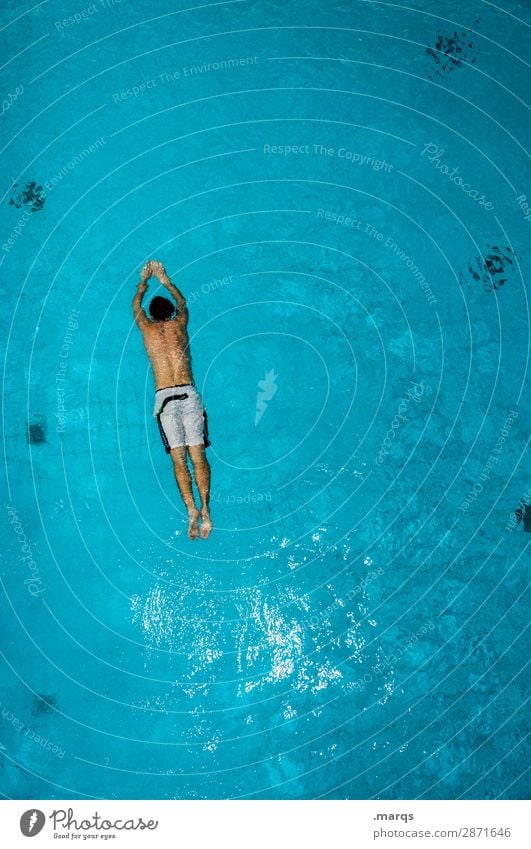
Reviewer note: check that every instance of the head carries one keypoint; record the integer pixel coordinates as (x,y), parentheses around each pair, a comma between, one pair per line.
(161,309)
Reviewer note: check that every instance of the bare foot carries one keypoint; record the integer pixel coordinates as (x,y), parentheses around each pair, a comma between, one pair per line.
(206,524)
(193,527)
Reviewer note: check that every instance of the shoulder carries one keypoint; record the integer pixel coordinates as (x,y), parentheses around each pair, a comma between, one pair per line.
(181,316)
(143,322)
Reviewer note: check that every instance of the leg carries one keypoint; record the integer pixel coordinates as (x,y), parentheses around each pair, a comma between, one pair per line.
(202,479)
(184,482)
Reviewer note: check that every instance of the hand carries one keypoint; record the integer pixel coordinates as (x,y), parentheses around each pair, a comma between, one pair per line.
(146,272)
(158,269)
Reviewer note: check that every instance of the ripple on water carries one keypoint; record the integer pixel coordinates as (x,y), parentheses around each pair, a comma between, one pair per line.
(254,638)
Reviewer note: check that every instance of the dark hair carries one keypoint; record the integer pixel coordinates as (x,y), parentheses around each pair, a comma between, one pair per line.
(160,309)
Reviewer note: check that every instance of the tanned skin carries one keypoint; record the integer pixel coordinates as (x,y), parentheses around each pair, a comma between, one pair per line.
(168,348)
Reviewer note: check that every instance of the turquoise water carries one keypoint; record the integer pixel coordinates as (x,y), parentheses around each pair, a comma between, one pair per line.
(340,189)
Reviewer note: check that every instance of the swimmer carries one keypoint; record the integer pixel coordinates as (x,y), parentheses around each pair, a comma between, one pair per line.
(178,409)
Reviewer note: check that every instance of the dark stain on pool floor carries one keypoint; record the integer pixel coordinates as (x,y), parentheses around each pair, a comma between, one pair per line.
(523,512)
(491,270)
(37,433)
(31,195)
(42,704)
(451,50)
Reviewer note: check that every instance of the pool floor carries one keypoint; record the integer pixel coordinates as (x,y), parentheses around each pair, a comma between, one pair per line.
(341,191)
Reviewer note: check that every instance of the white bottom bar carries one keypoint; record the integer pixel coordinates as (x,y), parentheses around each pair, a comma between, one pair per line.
(271,824)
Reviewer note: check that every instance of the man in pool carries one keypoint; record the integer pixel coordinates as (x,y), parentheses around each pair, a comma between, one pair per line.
(178,407)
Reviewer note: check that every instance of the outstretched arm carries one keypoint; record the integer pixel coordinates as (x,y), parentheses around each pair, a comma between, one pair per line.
(139,314)
(159,271)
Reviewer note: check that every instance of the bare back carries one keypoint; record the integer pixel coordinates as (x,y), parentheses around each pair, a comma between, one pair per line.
(168,348)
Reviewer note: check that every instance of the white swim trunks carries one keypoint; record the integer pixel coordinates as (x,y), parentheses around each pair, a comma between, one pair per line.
(181,416)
